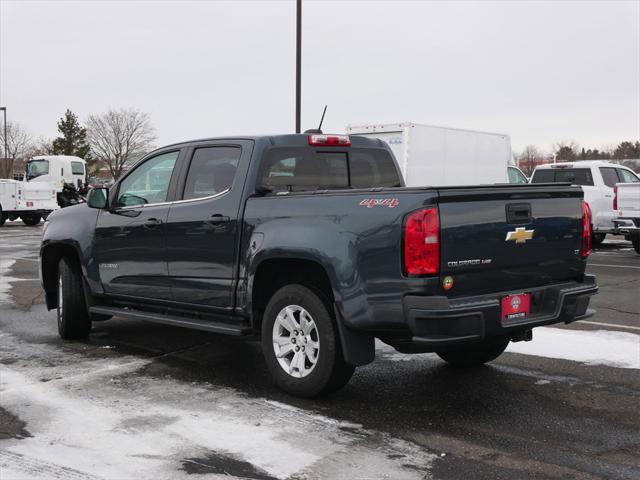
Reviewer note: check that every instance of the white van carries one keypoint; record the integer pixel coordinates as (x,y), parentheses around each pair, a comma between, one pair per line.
(597,179)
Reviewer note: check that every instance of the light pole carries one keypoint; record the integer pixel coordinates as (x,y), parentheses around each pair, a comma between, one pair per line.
(298,56)
(6,148)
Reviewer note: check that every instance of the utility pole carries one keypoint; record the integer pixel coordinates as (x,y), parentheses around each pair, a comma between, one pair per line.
(298,57)
(6,147)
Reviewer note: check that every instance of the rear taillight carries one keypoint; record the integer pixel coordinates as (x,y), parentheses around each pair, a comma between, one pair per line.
(330,140)
(422,243)
(586,230)
(615,197)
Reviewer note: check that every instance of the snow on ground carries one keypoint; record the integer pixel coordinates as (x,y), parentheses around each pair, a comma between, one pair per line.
(5,286)
(593,347)
(599,347)
(104,418)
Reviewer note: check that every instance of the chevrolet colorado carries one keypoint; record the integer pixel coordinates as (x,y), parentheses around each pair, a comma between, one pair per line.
(312,243)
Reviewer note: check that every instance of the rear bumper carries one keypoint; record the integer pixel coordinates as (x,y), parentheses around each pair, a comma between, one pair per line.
(627,226)
(438,321)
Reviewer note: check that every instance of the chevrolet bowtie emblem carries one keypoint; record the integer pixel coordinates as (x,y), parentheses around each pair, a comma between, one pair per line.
(520,235)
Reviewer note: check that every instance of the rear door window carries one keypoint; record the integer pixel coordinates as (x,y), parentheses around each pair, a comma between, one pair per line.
(609,176)
(211,172)
(627,177)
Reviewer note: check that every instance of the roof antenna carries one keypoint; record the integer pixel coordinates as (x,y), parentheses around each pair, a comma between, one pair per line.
(319,129)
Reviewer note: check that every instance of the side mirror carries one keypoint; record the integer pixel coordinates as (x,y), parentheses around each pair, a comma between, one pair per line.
(98,198)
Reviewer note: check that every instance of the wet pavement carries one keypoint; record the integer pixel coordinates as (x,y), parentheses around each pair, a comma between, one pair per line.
(139,400)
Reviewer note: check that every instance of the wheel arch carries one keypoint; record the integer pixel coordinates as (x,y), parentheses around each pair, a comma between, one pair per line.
(272,273)
(50,256)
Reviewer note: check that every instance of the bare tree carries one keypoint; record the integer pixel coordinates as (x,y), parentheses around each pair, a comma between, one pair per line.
(529,159)
(120,137)
(39,146)
(565,151)
(18,140)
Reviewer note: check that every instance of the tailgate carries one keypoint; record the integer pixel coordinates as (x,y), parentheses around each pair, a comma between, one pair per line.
(628,195)
(508,238)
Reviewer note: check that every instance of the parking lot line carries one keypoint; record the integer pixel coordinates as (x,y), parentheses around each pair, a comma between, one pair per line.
(629,327)
(613,266)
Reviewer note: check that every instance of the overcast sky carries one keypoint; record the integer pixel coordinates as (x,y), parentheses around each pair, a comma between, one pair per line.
(539,71)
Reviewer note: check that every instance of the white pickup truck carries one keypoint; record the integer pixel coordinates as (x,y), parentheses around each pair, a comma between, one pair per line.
(597,179)
(28,201)
(626,205)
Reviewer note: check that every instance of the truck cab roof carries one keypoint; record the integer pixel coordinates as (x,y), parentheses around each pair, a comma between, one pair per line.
(293,139)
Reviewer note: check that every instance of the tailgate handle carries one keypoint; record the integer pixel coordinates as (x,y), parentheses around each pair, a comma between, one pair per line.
(518,213)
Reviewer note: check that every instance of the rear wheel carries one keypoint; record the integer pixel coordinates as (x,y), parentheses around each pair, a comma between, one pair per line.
(3,217)
(74,322)
(301,345)
(636,243)
(597,239)
(30,219)
(474,354)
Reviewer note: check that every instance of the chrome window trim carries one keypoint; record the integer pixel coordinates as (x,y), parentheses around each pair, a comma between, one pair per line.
(158,204)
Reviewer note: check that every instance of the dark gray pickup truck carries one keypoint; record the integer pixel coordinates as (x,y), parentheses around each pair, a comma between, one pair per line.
(313,243)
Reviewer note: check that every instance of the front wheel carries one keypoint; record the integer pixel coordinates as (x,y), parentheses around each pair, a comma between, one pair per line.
(74,322)
(636,243)
(301,345)
(474,354)
(30,219)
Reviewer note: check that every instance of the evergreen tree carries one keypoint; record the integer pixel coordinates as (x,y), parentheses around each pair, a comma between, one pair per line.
(74,138)
(627,150)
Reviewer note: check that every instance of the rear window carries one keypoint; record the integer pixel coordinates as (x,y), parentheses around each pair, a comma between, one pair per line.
(305,169)
(575,176)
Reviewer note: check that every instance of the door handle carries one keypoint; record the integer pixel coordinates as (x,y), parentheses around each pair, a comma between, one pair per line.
(217,219)
(608,196)
(152,223)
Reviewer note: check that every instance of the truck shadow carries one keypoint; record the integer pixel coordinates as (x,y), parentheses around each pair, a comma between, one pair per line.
(407,393)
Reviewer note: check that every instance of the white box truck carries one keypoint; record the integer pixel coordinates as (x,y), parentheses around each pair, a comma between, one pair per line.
(66,173)
(430,155)
(27,201)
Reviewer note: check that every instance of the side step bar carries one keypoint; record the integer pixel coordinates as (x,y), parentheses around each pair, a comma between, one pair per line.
(192,323)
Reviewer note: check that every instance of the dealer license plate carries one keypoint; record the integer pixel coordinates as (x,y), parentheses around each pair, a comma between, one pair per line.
(516,307)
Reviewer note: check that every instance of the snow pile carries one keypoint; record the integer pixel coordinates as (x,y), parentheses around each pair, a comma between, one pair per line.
(599,347)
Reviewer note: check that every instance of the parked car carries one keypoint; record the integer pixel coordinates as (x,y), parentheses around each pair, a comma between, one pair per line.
(626,206)
(313,243)
(597,179)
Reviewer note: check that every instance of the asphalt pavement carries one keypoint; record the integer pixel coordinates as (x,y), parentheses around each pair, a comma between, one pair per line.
(141,401)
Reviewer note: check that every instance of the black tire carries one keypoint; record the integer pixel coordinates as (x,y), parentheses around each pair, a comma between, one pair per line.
(3,217)
(74,322)
(636,243)
(597,239)
(474,354)
(30,219)
(330,372)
